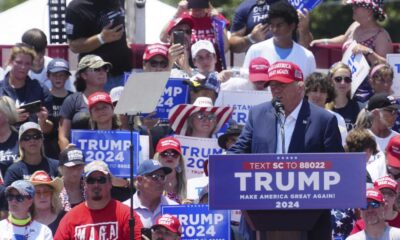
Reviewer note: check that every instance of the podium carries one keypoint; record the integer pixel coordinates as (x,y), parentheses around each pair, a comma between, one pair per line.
(289,224)
(288,196)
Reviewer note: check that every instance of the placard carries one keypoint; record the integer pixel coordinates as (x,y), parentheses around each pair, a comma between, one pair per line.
(112,147)
(394,61)
(241,102)
(196,152)
(176,92)
(358,65)
(198,222)
(307,4)
(288,181)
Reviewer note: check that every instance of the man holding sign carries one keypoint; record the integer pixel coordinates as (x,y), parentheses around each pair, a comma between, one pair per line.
(290,124)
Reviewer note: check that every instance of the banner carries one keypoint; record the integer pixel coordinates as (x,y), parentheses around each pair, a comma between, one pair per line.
(394,61)
(200,223)
(358,65)
(176,92)
(196,152)
(307,4)
(289,181)
(112,147)
(242,101)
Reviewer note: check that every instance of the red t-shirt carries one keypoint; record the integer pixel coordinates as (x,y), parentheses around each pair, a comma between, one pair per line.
(360,224)
(111,222)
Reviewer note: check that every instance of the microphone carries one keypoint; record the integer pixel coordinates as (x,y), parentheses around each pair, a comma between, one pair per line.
(278,106)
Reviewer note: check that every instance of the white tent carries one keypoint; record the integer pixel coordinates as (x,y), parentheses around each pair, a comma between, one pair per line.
(35,14)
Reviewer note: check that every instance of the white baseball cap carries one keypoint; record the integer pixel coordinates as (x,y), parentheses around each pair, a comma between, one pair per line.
(200,45)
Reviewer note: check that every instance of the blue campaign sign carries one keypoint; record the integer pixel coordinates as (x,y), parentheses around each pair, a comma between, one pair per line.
(110,146)
(307,4)
(288,181)
(175,93)
(198,222)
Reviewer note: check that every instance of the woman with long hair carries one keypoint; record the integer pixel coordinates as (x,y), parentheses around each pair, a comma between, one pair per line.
(169,154)
(343,104)
(91,77)
(46,207)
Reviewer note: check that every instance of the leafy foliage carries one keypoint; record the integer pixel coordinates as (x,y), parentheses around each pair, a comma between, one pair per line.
(6,4)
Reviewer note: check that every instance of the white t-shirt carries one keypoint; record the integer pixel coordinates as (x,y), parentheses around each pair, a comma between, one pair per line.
(266,49)
(391,233)
(383,142)
(376,166)
(33,231)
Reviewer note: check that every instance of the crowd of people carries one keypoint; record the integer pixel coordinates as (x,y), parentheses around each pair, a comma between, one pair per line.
(49,191)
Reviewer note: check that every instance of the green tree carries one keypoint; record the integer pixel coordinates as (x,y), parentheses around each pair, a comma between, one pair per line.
(6,4)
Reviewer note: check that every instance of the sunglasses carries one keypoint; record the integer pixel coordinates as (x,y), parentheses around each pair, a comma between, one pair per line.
(186,31)
(156,177)
(44,193)
(169,154)
(339,79)
(163,232)
(372,204)
(103,68)
(19,198)
(28,137)
(99,180)
(391,111)
(202,117)
(161,64)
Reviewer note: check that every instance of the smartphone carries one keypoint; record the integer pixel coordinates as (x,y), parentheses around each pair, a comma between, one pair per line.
(32,107)
(198,4)
(179,37)
(117,21)
(146,233)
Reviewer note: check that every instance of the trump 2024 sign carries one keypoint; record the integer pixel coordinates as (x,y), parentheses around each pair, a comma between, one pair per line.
(287,181)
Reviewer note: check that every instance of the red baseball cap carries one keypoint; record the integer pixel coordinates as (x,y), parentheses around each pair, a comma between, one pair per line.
(393,152)
(374,194)
(258,69)
(168,143)
(183,19)
(284,72)
(386,182)
(169,222)
(98,97)
(155,49)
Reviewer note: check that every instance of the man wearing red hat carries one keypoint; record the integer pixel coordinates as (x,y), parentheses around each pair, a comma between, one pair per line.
(374,216)
(166,227)
(290,124)
(155,58)
(393,157)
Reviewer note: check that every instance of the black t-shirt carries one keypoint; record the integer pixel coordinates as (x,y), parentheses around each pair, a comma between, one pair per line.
(21,170)
(8,152)
(21,94)
(349,113)
(54,111)
(86,18)
(75,108)
(54,225)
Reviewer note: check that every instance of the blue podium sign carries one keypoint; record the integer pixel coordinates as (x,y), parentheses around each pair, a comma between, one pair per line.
(175,93)
(112,147)
(289,181)
(198,222)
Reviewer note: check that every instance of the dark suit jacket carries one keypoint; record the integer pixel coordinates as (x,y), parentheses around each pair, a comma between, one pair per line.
(316,130)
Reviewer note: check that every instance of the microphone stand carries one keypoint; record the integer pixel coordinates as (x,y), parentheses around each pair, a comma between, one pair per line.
(131,123)
(281,120)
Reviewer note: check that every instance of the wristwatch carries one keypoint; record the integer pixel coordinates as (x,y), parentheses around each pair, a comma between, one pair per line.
(250,39)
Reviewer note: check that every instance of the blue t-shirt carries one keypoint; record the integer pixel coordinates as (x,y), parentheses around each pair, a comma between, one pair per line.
(249,14)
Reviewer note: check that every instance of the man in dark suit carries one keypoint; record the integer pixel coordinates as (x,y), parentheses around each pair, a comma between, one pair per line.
(307,128)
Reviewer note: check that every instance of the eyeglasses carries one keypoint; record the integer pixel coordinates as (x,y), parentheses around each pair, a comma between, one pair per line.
(156,177)
(372,204)
(390,110)
(99,180)
(19,198)
(161,64)
(163,232)
(339,79)
(202,117)
(28,137)
(103,68)
(44,193)
(383,81)
(169,154)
